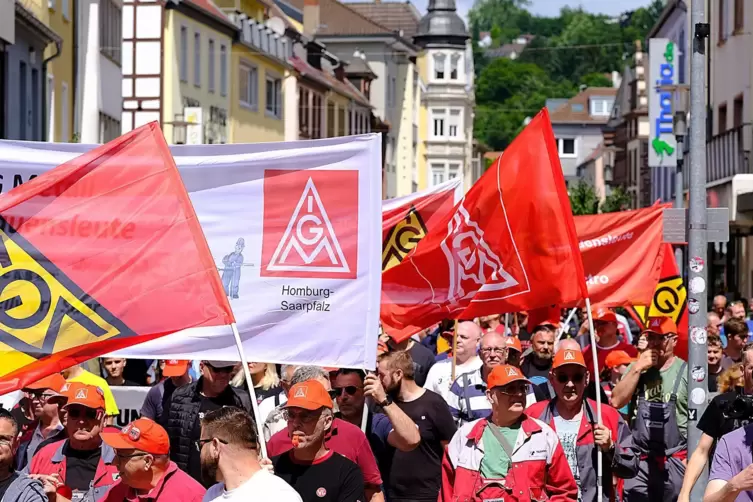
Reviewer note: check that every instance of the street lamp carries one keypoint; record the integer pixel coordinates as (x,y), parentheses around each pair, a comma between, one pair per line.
(180,129)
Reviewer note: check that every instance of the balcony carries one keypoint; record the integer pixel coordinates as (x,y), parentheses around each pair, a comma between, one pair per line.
(727,154)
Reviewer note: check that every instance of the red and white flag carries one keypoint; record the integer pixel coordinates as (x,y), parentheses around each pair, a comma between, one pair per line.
(510,245)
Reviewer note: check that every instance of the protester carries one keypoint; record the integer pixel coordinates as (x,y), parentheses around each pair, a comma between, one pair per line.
(490,322)
(413,475)
(731,476)
(713,323)
(78,374)
(607,340)
(714,353)
(576,422)
(507,453)
(265,379)
(519,329)
(159,396)
(514,351)
(656,386)
(60,399)
(731,379)
(229,457)
(544,391)
(15,486)
(439,378)
(718,419)
(720,307)
(316,472)
(45,412)
(422,358)
(538,362)
(467,398)
(83,463)
(736,332)
(142,456)
(115,368)
(190,403)
(271,409)
(616,364)
(343,438)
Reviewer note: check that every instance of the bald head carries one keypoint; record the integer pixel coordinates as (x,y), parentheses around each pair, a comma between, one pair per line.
(468,336)
(569,344)
(720,303)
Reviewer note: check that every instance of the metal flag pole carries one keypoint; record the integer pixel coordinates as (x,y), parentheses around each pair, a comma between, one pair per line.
(697,237)
(364,418)
(567,322)
(251,391)
(599,468)
(507,316)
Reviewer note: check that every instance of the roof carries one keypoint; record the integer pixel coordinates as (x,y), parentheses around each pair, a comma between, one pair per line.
(45,33)
(577,110)
(397,16)
(595,153)
(670,6)
(505,50)
(209,8)
(622,99)
(340,19)
(345,88)
(358,66)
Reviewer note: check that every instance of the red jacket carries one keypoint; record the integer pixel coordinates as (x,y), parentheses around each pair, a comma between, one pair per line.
(539,469)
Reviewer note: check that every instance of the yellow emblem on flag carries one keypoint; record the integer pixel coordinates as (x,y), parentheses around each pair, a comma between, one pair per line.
(42,311)
(402,238)
(669,300)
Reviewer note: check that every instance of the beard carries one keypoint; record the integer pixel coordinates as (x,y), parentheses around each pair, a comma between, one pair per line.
(209,471)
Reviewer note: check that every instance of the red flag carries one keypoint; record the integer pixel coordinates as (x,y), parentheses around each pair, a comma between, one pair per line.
(407,220)
(621,255)
(102,252)
(510,245)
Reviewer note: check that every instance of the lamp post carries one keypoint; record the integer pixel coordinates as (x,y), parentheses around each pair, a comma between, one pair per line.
(180,129)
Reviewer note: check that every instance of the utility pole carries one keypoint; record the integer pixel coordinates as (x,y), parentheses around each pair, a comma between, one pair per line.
(697,237)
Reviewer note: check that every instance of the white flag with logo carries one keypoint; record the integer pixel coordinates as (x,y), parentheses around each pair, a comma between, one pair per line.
(295,231)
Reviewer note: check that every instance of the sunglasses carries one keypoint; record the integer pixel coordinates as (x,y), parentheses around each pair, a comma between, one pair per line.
(349,389)
(40,396)
(576,378)
(302,416)
(514,390)
(227,369)
(81,412)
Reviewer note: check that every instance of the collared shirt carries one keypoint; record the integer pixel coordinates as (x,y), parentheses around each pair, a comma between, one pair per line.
(174,485)
(467,398)
(38,437)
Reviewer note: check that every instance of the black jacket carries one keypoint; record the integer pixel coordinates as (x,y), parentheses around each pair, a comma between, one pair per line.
(183,416)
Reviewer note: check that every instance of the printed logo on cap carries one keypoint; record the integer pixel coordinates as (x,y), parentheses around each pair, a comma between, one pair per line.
(569,355)
(133,432)
(65,387)
(301,392)
(655,323)
(82,394)
(172,361)
(512,372)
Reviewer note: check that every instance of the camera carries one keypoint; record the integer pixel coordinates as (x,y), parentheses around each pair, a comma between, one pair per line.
(741,407)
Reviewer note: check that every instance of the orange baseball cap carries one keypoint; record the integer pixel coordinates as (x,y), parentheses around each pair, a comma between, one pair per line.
(309,395)
(603,314)
(513,343)
(86,395)
(504,374)
(568,356)
(142,434)
(53,382)
(660,326)
(617,358)
(175,367)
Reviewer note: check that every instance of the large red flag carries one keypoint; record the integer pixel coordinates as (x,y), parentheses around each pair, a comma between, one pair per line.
(102,252)
(510,245)
(622,255)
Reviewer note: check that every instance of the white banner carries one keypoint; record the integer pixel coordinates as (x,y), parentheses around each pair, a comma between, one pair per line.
(663,56)
(295,231)
(129,401)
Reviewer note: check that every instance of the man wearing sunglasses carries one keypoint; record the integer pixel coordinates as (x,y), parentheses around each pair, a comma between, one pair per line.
(316,472)
(575,420)
(190,403)
(656,387)
(45,412)
(508,456)
(607,340)
(82,465)
(142,457)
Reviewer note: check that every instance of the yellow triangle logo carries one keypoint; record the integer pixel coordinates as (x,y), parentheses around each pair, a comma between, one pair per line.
(669,301)
(402,238)
(42,311)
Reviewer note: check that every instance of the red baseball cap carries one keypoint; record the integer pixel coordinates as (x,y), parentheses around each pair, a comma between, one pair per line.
(660,326)
(568,356)
(309,395)
(54,382)
(142,434)
(603,314)
(504,374)
(617,358)
(86,395)
(175,367)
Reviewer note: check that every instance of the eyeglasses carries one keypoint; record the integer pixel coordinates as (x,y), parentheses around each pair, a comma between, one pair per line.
(82,412)
(120,456)
(656,338)
(199,443)
(349,389)
(227,369)
(575,378)
(514,390)
(493,350)
(302,416)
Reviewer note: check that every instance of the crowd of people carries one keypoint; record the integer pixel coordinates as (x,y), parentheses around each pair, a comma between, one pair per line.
(476,410)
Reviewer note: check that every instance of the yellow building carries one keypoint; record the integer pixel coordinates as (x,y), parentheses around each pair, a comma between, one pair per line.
(60,82)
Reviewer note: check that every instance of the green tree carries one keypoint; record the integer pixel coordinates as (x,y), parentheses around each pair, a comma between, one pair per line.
(583,199)
(596,80)
(617,200)
(487,13)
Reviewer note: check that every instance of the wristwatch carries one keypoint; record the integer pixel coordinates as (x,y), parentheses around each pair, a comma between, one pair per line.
(387,401)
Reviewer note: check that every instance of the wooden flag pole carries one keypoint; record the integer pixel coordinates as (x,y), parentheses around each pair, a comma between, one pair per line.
(251,391)
(454,350)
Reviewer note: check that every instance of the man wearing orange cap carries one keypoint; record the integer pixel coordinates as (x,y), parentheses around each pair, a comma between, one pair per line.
(176,375)
(514,351)
(317,473)
(656,387)
(607,340)
(142,457)
(616,363)
(82,463)
(45,411)
(508,456)
(575,420)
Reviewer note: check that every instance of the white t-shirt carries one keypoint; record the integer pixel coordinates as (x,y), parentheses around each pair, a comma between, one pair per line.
(567,431)
(262,487)
(439,379)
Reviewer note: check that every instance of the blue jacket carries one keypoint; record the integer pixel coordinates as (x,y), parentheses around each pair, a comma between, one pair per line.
(25,489)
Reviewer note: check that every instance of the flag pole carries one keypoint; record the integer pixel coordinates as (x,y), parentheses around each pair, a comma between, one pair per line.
(506,323)
(364,418)
(567,322)
(454,350)
(251,392)
(595,355)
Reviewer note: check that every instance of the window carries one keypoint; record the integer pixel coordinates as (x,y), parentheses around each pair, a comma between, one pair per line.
(437,174)
(64,135)
(454,63)
(601,107)
(391,92)
(439,66)
(274,97)
(331,121)
(109,128)
(566,147)
(722,118)
(211,65)
(197,59)
(51,4)
(316,115)
(50,107)
(65,10)
(439,116)
(23,116)
(739,16)
(737,111)
(341,121)
(304,112)
(223,70)
(248,86)
(452,171)
(183,54)
(110,29)
(723,14)
(454,124)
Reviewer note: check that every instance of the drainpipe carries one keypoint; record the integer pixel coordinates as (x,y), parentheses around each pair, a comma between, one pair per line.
(58,51)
